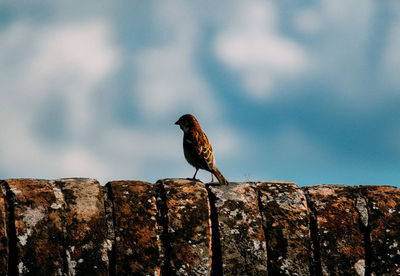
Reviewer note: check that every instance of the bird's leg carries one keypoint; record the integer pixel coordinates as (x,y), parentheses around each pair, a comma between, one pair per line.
(212,177)
(194,176)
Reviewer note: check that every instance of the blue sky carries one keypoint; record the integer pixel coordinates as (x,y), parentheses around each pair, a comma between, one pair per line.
(307,92)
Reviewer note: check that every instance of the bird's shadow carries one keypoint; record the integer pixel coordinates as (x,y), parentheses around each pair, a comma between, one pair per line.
(207,184)
(212,184)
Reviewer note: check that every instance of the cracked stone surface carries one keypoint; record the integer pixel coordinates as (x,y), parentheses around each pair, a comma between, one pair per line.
(189,230)
(85,225)
(240,227)
(286,220)
(383,203)
(340,239)
(137,242)
(38,227)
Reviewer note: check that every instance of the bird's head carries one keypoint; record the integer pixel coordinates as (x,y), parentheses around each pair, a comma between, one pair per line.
(187,122)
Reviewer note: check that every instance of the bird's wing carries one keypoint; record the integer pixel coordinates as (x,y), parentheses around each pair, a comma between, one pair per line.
(204,149)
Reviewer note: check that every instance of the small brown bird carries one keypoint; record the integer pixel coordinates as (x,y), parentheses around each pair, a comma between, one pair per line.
(197,148)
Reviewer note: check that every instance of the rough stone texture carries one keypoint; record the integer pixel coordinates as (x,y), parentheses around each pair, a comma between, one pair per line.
(286,223)
(3,232)
(137,241)
(240,228)
(340,241)
(383,205)
(86,241)
(109,216)
(189,230)
(38,226)
(183,227)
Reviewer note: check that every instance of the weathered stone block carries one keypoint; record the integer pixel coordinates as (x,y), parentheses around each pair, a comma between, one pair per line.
(240,228)
(340,240)
(286,223)
(383,205)
(38,227)
(137,241)
(3,231)
(189,229)
(86,241)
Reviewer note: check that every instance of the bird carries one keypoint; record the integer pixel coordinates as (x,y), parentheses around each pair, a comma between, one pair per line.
(197,149)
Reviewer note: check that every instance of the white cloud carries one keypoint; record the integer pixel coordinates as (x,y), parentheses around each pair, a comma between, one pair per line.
(79,161)
(340,50)
(168,80)
(81,48)
(67,60)
(72,60)
(308,21)
(250,45)
(36,63)
(142,143)
(391,57)
(340,13)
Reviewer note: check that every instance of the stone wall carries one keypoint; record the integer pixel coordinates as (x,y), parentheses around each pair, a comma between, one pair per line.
(180,227)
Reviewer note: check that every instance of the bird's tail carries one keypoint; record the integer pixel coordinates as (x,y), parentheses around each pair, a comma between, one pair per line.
(221,179)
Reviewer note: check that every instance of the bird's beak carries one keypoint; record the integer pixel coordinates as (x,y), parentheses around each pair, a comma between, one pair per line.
(177,122)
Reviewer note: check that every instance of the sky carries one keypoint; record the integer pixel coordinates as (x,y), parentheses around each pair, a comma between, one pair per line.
(303,91)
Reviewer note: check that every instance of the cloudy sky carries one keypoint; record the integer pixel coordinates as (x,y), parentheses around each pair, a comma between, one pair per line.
(306,92)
